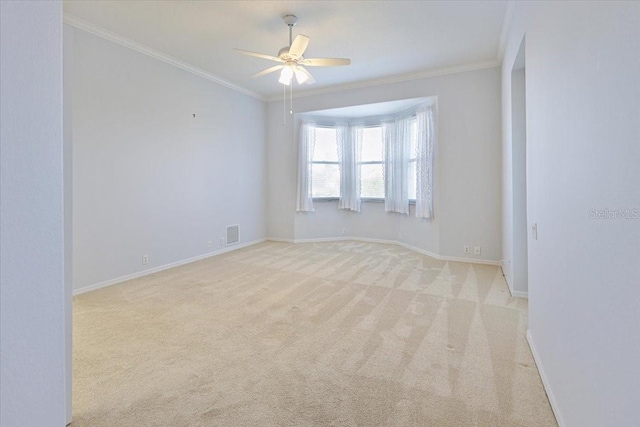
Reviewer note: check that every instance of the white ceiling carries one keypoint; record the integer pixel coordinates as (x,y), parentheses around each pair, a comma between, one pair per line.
(384,39)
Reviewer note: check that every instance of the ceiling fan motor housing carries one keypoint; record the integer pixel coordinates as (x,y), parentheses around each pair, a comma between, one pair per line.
(284,53)
(290,20)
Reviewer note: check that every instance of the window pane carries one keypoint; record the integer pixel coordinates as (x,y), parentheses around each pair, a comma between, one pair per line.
(325,180)
(372,181)
(411,177)
(372,146)
(326,146)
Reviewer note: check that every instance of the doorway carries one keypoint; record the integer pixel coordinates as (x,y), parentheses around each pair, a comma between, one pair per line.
(519,173)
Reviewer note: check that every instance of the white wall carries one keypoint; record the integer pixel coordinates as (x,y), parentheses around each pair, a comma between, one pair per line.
(518,258)
(32,305)
(148,177)
(466,173)
(583,133)
(67,82)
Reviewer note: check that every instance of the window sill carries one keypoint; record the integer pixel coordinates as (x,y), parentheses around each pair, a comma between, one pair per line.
(335,199)
(325,199)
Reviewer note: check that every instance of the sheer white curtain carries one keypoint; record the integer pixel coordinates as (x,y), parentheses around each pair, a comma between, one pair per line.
(400,138)
(305,157)
(396,136)
(349,152)
(424,165)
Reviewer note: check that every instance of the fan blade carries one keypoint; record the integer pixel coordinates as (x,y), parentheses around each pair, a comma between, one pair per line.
(258,55)
(268,70)
(310,79)
(325,62)
(299,45)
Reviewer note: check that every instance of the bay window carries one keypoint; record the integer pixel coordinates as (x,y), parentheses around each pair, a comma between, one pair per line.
(390,161)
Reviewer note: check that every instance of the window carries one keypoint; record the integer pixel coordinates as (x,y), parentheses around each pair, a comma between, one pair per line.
(372,164)
(325,167)
(390,160)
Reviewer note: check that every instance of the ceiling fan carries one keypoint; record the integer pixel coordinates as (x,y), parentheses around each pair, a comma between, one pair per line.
(291,59)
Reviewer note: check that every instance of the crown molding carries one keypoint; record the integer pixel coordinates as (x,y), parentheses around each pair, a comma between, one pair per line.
(88,27)
(83,25)
(394,79)
(506,28)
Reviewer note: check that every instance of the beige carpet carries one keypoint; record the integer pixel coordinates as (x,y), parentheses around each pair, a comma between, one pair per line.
(276,334)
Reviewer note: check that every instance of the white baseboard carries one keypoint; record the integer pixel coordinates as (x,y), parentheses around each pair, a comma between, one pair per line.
(545,382)
(278,239)
(390,242)
(138,274)
(323,239)
(518,294)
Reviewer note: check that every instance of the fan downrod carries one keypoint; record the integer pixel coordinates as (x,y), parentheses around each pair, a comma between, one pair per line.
(291,21)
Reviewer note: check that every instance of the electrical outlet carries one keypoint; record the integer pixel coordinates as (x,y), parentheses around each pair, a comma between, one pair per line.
(222,241)
(534,231)
(477,250)
(467,250)
(209,243)
(145,259)
(344,231)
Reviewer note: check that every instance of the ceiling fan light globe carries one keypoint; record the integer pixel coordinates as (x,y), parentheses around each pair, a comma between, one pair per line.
(300,76)
(286,75)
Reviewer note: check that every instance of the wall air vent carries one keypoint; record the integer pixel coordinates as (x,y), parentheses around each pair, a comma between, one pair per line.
(233,234)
